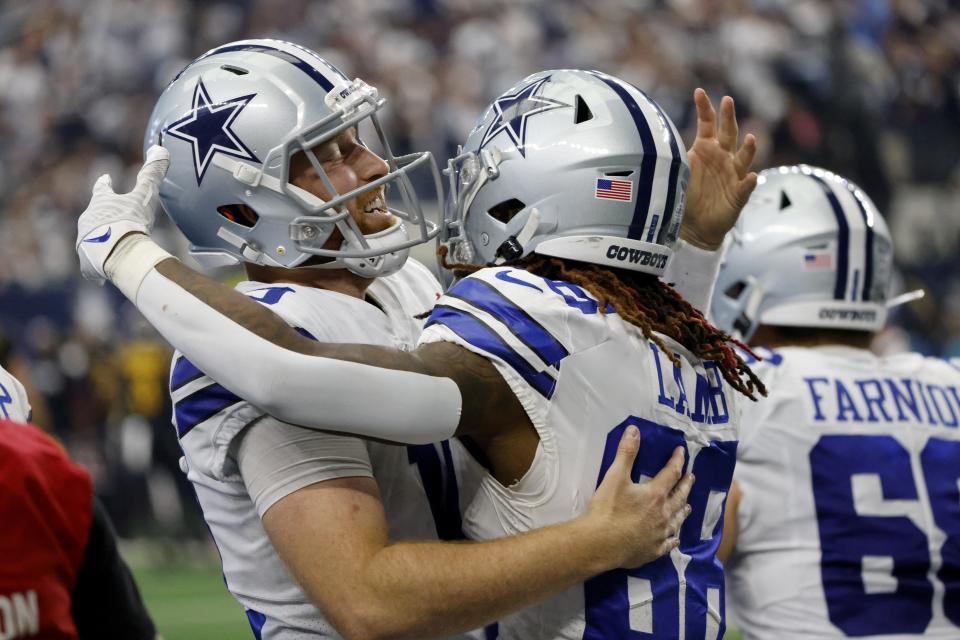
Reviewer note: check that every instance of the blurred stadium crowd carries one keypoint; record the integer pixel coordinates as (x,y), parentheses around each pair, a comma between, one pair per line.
(868,88)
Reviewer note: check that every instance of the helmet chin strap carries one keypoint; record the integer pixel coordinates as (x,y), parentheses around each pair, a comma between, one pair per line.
(905,298)
(513,247)
(374,266)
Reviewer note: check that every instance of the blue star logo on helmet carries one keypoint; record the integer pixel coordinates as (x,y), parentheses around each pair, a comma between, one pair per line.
(513,110)
(208,129)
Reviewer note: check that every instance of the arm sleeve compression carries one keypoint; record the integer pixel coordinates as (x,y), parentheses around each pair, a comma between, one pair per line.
(311,391)
(693,272)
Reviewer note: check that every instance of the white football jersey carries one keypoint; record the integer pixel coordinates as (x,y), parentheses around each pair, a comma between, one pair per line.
(13,399)
(418,484)
(583,377)
(849,525)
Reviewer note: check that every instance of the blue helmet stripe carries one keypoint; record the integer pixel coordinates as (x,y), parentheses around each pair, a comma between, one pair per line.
(674,173)
(868,246)
(843,239)
(648,165)
(304,66)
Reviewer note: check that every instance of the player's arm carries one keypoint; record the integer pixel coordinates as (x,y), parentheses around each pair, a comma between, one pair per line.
(418,397)
(228,336)
(333,537)
(720,184)
(728,543)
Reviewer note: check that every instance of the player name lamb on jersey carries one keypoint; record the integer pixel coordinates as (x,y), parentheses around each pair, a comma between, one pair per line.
(882,399)
(709,404)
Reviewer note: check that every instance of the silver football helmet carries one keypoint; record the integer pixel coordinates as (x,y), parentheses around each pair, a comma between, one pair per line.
(233,118)
(573,164)
(810,250)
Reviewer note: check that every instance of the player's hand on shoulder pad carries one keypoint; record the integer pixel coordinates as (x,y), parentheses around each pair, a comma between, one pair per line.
(110,216)
(641,522)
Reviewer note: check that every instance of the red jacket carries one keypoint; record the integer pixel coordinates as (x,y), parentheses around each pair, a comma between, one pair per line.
(46,506)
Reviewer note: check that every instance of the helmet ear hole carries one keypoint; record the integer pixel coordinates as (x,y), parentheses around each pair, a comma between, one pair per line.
(735,289)
(239,213)
(506,210)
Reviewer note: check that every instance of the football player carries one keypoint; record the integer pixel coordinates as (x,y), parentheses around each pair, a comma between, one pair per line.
(571,188)
(845,516)
(266,167)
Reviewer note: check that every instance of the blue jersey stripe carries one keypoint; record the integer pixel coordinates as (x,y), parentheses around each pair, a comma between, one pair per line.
(440,486)
(843,239)
(257,620)
(304,66)
(486,297)
(184,371)
(476,333)
(202,405)
(868,246)
(648,165)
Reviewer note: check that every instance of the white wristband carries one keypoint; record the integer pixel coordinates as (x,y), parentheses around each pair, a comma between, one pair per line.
(131,260)
(693,272)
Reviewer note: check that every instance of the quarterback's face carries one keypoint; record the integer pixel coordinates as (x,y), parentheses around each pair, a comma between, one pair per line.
(348,164)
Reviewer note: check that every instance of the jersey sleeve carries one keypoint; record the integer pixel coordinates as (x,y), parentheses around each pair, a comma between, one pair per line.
(276,459)
(14,404)
(767,365)
(524,324)
(197,397)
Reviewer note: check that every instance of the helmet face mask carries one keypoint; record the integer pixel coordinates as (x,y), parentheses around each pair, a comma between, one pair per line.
(234,119)
(573,164)
(810,250)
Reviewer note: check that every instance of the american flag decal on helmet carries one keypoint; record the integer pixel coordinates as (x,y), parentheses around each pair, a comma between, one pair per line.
(608,189)
(818,260)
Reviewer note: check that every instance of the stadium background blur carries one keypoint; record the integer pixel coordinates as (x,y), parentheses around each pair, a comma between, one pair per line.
(868,88)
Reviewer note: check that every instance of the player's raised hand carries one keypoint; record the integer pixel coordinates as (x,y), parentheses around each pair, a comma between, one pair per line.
(111,216)
(642,521)
(720,177)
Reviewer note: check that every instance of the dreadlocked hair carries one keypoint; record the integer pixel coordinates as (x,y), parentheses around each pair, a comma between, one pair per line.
(649,304)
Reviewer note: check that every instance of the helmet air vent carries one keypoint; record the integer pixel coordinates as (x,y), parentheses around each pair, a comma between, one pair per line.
(505,211)
(239,213)
(236,70)
(619,174)
(784,200)
(581,111)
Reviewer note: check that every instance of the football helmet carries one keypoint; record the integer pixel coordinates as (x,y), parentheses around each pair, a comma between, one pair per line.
(810,250)
(233,118)
(573,164)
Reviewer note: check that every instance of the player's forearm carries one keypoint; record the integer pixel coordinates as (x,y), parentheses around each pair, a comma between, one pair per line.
(420,590)
(693,272)
(251,351)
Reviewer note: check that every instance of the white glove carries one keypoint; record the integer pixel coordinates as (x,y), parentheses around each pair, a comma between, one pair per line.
(111,216)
